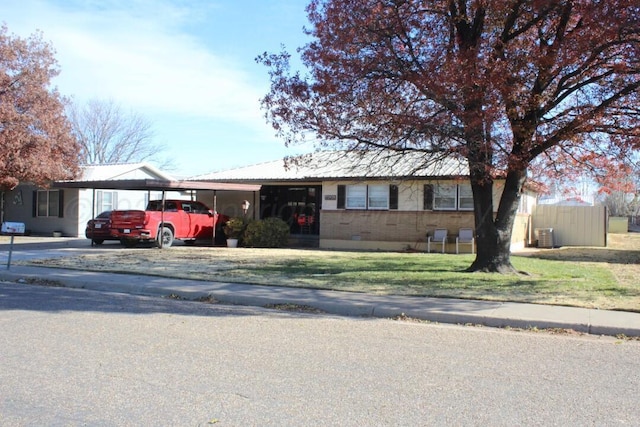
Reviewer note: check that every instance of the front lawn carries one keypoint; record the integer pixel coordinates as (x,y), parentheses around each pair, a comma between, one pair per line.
(604,278)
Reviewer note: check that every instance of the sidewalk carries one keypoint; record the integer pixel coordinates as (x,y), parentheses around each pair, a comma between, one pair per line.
(495,314)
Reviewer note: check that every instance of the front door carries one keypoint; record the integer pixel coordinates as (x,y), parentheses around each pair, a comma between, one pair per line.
(298,206)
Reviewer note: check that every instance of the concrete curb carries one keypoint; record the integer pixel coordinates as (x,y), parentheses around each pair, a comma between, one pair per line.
(442,310)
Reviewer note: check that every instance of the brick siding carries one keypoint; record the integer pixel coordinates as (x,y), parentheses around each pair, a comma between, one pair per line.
(390,226)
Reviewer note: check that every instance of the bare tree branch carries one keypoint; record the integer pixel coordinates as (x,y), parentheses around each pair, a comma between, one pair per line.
(107,134)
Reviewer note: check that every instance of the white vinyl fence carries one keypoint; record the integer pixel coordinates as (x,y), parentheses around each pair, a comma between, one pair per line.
(571,225)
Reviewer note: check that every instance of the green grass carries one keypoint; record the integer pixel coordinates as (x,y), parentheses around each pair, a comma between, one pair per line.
(551,282)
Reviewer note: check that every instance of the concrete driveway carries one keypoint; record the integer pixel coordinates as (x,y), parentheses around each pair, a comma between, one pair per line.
(34,247)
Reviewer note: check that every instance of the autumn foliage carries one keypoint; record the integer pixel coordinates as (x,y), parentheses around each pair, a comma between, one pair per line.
(509,85)
(35,141)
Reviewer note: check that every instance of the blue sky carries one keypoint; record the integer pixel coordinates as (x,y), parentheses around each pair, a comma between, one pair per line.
(187,66)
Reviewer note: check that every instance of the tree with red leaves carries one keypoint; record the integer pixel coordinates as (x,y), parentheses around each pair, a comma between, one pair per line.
(36,144)
(505,84)
(621,191)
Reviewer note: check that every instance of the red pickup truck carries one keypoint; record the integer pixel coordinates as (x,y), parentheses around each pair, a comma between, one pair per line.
(182,219)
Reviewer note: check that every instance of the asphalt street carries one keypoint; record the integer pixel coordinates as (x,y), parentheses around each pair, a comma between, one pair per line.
(456,311)
(79,357)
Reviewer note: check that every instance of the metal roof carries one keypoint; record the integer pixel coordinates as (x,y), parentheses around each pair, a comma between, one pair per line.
(336,165)
(142,176)
(113,171)
(156,185)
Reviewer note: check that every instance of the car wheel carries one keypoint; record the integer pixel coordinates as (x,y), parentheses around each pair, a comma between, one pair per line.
(98,241)
(167,237)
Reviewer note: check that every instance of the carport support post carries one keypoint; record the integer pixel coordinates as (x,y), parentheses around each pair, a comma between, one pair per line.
(215,217)
(161,231)
(93,211)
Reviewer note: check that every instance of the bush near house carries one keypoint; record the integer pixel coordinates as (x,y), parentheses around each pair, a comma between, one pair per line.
(267,233)
(234,228)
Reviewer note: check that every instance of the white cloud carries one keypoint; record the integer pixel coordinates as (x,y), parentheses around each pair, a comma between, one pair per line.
(188,66)
(134,53)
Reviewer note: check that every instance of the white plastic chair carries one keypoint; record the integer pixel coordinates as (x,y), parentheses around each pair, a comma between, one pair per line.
(465,237)
(439,237)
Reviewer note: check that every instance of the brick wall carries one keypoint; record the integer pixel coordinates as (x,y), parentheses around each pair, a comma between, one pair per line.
(408,228)
(389,226)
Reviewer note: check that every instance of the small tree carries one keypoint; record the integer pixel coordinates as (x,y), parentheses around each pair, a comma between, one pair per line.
(621,190)
(107,134)
(36,144)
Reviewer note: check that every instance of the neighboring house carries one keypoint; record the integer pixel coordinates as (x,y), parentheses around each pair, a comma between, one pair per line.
(67,210)
(360,201)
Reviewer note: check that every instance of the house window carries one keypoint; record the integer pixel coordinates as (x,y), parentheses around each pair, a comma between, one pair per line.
(445,196)
(356,197)
(48,203)
(465,197)
(373,197)
(378,197)
(448,197)
(106,200)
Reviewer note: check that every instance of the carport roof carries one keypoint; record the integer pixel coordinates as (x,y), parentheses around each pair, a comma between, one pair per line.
(156,185)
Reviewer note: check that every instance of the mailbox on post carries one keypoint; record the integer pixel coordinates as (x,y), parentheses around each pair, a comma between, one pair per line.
(12,229)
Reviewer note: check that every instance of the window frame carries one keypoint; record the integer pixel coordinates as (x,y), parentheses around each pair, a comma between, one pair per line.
(458,195)
(47,206)
(440,195)
(462,188)
(101,206)
(356,197)
(361,197)
(378,202)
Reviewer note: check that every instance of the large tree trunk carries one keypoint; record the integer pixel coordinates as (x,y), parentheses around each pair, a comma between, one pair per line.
(493,235)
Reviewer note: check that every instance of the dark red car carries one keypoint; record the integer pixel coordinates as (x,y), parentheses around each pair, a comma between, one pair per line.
(99,229)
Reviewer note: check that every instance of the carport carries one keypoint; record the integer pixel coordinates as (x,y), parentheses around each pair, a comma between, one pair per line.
(162,186)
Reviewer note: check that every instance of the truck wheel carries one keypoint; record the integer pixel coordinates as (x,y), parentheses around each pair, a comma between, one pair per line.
(167,237)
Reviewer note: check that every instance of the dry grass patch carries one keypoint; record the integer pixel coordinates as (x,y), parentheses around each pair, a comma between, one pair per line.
(603,278)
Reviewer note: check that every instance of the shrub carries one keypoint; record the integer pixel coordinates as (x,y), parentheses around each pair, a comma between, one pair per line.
(233,228)
(267,233)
